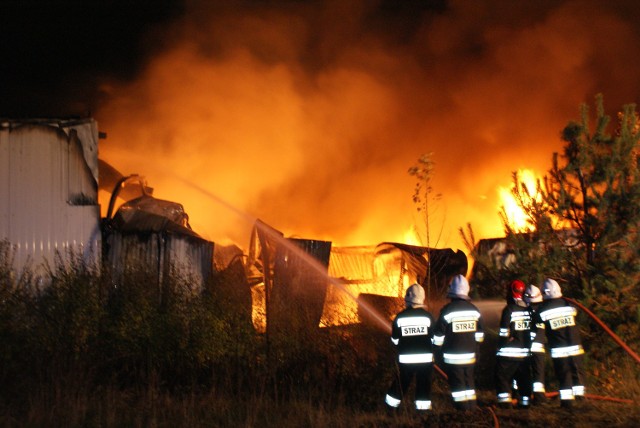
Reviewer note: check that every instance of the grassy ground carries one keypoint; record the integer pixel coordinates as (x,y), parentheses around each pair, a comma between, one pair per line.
(587,413)
(300,397)
(86,354)
(215,410)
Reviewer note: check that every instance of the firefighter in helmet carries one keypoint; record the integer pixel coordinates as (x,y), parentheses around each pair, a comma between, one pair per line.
(565,344)
(512,358)
(412,335)
(458,332)
(533,298)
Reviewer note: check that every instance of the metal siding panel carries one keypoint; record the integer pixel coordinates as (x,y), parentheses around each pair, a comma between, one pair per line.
(4,184)
(39,220)
(132,251)
(114,249)
(82,188)
(185,258)
(159,252)
(85,231)
(23,196)
(87,131)
(53,226)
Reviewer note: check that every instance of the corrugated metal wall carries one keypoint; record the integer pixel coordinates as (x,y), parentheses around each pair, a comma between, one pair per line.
(160,253)
(299,290)
(49,191)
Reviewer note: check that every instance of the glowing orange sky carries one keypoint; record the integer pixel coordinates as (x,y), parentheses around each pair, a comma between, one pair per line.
(308,119)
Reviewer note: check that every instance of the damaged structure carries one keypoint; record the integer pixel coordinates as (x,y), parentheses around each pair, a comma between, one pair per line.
(379,276)
(155,234)
(50,176)
(289,280)
(332,284)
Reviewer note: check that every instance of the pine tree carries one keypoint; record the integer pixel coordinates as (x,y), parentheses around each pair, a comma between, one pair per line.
(596,192)
(583,221)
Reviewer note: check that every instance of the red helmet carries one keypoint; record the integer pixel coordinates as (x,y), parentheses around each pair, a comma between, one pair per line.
(517,289)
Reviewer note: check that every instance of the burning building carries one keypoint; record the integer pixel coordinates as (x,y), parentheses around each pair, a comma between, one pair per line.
(49,182)
(51,177)
(323,285)
(379,276)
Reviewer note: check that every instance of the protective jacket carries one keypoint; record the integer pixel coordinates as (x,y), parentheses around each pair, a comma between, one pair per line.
(538,332)
(515,331)
(538,353)
(512,364)
(458,330)
(559,323)
(412,333)
(565,346)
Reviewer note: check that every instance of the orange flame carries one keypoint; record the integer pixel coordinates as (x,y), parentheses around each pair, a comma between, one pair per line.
(321,150)
(516,217)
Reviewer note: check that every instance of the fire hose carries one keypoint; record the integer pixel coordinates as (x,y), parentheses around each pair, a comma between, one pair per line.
(614,336)
(605,328)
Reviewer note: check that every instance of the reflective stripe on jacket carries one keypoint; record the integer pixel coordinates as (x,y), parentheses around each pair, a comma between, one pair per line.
(412,333)
(515,331)
(560,326)
(458,331)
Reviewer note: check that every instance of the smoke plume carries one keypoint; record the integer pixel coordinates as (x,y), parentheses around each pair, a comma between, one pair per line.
(308,114)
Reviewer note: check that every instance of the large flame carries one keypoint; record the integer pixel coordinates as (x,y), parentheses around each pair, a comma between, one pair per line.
(308,117)
(411,237)
(516,217)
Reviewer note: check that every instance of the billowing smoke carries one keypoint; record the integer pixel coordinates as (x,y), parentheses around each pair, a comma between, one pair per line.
(308,114)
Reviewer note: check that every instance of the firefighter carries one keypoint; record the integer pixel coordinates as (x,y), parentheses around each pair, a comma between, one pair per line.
(458,332)
(412,335)
(514,343)
(533,298)
(565,344)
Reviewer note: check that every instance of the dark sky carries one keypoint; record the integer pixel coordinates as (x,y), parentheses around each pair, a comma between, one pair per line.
(55,53)
(308,114)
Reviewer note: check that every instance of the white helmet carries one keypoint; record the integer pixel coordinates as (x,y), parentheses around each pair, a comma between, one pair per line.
(459,287)
(551,289)
(532,294)
(415,295)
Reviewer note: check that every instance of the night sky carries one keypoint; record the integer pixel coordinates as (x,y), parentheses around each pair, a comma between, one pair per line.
(307,114)
(56,54)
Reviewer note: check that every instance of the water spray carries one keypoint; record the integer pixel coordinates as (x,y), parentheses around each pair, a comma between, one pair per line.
(310,261)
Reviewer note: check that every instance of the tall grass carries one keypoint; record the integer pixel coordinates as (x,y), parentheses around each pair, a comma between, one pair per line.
(85,351)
